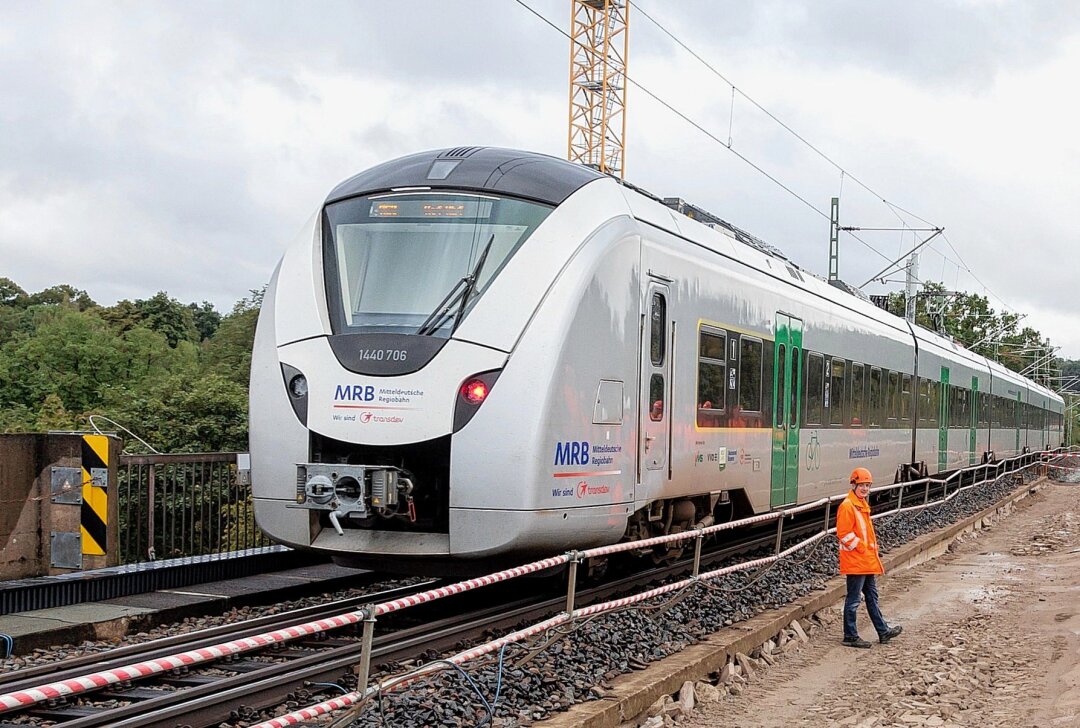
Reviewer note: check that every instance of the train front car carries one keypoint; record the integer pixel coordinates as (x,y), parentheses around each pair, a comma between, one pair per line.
(410,383)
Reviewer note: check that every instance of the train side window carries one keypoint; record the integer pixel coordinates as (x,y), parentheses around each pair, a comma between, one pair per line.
(858,395)
(796,372)
(892,413)
(780,399)
(815,381)
(657,327)
(712,378)
(934,390)
(875,397)
(923,406)
(750,374)
(905,401)
(995,411)
(656,398)
(836,385)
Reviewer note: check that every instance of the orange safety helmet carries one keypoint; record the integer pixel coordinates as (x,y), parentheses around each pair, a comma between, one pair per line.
(861,475)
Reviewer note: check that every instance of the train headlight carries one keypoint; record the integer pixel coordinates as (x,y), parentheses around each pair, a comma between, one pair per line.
(298,386)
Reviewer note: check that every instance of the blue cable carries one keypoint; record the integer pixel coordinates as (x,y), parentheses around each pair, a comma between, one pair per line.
(498,684)
(9,643)
(331,685)
(475,687)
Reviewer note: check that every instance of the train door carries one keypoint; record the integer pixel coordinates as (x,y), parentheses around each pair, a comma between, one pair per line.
(973,400)
(655,415)
(1042,424)
(943,420)
(1016,420)
(787,393)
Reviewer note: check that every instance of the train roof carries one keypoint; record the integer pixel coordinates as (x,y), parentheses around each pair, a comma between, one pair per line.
(483,169)
(711,231)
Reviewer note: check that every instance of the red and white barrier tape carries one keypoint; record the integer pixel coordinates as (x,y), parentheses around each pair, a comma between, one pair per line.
(469,584)
(391,684)
(98,680)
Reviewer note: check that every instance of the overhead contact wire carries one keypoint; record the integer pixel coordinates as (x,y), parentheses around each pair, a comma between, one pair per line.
(726,145)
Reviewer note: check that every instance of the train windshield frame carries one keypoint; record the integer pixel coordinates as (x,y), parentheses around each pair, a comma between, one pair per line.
(391,259)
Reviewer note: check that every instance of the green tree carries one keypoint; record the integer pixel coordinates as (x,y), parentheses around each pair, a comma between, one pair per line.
(17,418)
(63,295)
(11,294)
(169,317)
(229,351)
(69,353)
(63,358)
(184,413)
(123,316)
(206,318)
(54,416)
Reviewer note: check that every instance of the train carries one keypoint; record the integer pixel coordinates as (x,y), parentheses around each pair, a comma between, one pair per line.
(475,356)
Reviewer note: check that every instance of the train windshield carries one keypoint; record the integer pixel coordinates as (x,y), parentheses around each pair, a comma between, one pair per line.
(417,262)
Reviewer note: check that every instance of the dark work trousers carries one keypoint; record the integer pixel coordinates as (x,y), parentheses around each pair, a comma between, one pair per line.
(866,584)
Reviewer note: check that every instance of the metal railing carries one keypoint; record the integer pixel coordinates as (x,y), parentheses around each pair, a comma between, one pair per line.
(183,505)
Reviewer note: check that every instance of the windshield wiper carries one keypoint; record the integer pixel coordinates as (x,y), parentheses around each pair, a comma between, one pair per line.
(458,296)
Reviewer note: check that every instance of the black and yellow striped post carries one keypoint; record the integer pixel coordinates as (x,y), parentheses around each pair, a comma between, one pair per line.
(94,519)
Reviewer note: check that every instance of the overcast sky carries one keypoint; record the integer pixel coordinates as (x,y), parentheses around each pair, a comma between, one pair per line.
(150,146)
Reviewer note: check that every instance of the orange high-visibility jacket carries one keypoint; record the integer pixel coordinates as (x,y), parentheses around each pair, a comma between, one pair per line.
(858,544)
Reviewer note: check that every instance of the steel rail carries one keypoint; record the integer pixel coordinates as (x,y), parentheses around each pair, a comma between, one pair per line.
(28,677)
(211,703)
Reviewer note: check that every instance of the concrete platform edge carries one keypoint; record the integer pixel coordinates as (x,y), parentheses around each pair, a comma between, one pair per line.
(634,692)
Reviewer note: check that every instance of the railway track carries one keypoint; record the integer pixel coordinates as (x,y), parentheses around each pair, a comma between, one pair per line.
(239,686)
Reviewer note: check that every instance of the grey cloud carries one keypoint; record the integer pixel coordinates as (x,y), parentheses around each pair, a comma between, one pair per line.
(963,43)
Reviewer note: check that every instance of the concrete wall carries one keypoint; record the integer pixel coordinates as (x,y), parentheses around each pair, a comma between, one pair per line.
(28,514)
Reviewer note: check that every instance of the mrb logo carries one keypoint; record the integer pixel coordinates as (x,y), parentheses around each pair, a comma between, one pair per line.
(572,453)
(354,393)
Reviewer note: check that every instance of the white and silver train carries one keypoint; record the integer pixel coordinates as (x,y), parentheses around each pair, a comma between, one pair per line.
(476,355)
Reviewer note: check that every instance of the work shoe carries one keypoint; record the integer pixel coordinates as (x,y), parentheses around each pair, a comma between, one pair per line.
(893,631)
(856,642)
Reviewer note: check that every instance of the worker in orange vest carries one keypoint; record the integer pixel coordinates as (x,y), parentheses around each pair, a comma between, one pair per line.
(859,560)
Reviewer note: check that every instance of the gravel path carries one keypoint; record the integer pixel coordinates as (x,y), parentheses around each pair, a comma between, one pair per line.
(991,639)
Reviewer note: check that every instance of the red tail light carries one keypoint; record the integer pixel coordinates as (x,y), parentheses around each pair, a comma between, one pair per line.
(474,391)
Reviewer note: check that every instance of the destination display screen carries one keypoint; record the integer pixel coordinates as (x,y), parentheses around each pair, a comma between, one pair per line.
(414,208)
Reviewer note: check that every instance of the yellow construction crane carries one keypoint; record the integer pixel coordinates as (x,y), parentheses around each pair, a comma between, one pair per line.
(599,42)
